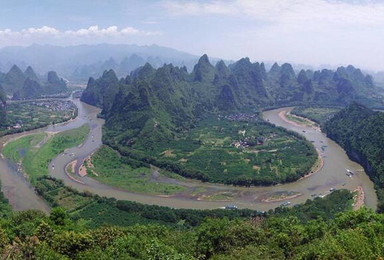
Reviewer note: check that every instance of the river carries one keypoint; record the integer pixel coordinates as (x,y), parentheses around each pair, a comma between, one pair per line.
(331,175)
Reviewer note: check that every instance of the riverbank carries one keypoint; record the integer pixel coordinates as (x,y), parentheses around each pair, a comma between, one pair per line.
(320,162)
(329,175)
(311,124)
(358,198)
(219,195)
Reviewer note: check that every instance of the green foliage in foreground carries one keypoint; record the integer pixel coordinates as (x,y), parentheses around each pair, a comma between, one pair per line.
(92,227)
(5,208)
(351,235)
(37,150)
(317,114)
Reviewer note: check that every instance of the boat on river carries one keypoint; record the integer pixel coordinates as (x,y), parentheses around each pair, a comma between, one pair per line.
(350,172)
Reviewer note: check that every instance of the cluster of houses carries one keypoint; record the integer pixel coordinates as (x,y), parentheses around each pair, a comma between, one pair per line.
(52,106)
(249,141)
(55,105)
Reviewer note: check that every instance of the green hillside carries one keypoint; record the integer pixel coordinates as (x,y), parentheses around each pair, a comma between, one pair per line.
(26,85)
(359,130)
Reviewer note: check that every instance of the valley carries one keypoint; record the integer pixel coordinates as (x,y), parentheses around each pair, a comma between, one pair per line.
(185,193)
(191,130)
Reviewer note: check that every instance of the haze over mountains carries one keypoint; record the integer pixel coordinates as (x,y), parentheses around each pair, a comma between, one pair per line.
(27,84)
(78,63)
(82,61)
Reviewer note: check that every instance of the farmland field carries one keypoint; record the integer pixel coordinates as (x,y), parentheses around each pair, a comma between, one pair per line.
(235,152)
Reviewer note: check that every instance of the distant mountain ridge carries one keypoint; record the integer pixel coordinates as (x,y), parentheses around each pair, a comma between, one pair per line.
(157,104)
(27,84)
(82,61)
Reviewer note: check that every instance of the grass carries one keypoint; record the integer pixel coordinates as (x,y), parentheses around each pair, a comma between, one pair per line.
(112,170)
(36,158)
(14,149)
(299,120)
(317,114)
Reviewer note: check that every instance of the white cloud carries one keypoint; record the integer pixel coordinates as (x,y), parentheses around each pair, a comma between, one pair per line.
(43,30)
(286,11)
(7,35)
(110,31)
(93,34)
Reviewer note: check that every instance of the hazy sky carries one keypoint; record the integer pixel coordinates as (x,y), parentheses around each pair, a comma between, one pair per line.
(301,31)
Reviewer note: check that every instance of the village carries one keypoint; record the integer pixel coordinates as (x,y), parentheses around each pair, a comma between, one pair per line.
(246,141)
(38,113)
(241,117)
(55,105)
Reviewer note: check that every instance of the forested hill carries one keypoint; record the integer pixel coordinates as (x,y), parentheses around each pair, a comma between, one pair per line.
(27,84)
(3,113)
(170,100)
(245,84)
(359,131)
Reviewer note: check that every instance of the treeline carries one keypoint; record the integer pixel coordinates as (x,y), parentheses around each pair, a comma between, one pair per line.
(359,131)
(318,229)
(350,235)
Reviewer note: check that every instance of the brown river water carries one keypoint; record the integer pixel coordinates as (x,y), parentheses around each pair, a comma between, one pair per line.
(331,176)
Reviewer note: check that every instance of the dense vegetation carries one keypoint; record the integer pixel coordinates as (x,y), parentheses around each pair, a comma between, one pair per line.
(36,151)
(27,84)
(159,109)
(313,230)
(320,115)
(359,131)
